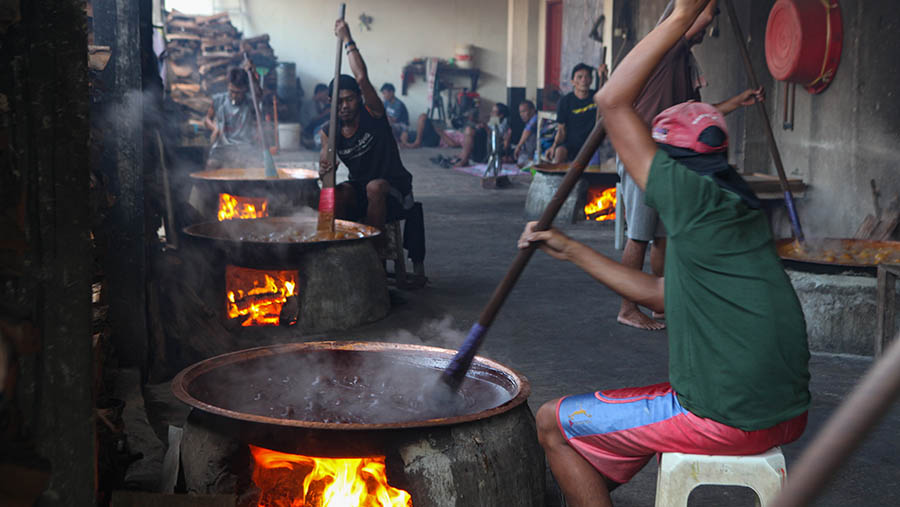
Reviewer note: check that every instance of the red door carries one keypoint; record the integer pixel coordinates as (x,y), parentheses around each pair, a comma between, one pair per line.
(553,54)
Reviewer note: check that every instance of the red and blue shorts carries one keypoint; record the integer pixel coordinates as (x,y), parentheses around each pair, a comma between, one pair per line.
(619,431)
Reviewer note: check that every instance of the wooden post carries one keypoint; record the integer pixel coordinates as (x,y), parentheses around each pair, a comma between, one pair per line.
(46,96)
(885,307)
(767,126)
(326,197)
(117,24)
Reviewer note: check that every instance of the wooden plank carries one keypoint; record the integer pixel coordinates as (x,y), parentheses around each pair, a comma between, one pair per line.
(886,226)
(765,183)
(144,499)
(865,229)
(47,99)
(885,309)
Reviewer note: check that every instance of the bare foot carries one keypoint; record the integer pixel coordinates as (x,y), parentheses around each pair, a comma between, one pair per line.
(461,163)
(659,315)
(636,318)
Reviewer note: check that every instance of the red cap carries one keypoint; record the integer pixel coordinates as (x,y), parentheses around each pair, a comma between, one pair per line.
(682,125)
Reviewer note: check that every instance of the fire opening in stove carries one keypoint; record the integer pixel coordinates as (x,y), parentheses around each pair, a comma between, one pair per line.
(306,481)
(601,204)
(261,297)
(233,207)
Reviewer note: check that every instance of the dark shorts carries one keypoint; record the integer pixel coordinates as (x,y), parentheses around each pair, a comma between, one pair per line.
(480,149)
(572,150)
(430,136)
(395,209)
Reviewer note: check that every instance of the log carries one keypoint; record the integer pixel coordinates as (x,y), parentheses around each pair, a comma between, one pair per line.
(175,14)
(865,229)
(186,88)
(182,71)
(219,18)
(215,67)
(264,38)
(886,226)
(98,57)
(183,37)
(182,25)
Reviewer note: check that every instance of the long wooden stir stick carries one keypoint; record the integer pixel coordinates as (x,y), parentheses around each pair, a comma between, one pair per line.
(326,197)
(456,371)
(767,127)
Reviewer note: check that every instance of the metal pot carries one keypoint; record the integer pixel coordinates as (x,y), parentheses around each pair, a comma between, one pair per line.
(484,456)
(818,264)
(294,188)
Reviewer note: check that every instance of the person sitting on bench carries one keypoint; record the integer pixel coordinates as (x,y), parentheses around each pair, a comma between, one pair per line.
(430,134)
(397,114)
(475,146)
(575,116)
(524,151)
(315,114)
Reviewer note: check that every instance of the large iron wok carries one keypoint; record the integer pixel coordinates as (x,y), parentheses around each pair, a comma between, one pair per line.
(294,187)
(275,239)
(250,181)
(826,255)
(244,393)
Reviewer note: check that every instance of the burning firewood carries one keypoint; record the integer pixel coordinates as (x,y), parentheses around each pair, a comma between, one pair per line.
(290,312)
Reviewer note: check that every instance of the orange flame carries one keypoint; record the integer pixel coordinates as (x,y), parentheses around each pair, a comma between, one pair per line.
(258,294)
(306,481)
(602,205)
(232,207)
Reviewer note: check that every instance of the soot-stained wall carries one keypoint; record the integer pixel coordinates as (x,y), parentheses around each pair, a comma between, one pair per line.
(842,138)
(579,17)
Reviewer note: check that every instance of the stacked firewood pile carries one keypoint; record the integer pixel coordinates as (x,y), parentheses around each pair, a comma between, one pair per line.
(200,50)
(260,52)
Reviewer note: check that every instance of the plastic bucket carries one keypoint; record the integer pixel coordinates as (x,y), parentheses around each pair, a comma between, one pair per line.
(286,81)
(464,57)
(289,136)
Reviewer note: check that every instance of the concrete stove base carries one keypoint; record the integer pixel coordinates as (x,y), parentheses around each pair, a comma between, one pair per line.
(540,193)
(485,463)
(839,311)
(545,184)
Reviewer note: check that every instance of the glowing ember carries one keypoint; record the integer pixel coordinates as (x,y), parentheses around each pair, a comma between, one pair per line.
(601,204)
(258,296)
(235,207)
(304,481)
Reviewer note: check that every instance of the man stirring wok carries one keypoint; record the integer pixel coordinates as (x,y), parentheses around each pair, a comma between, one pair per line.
(738,355)
(234,140)
(379,188)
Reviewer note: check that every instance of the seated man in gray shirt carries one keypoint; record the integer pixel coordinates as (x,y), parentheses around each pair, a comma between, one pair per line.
(524,151)
(397,114)
(234,140)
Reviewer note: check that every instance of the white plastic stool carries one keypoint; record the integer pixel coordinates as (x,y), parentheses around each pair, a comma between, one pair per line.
(680,473)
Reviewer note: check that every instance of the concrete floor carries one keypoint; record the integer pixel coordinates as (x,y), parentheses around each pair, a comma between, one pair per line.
(558,328)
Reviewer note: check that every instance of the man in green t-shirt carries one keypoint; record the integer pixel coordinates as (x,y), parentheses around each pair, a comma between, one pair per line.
(738,355)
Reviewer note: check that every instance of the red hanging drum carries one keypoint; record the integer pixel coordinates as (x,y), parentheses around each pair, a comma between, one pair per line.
(803,42)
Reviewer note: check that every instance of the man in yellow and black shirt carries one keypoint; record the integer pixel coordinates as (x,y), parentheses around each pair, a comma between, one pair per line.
(575,116)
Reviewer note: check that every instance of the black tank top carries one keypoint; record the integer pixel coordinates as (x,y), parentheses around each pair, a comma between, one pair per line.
(372,153)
